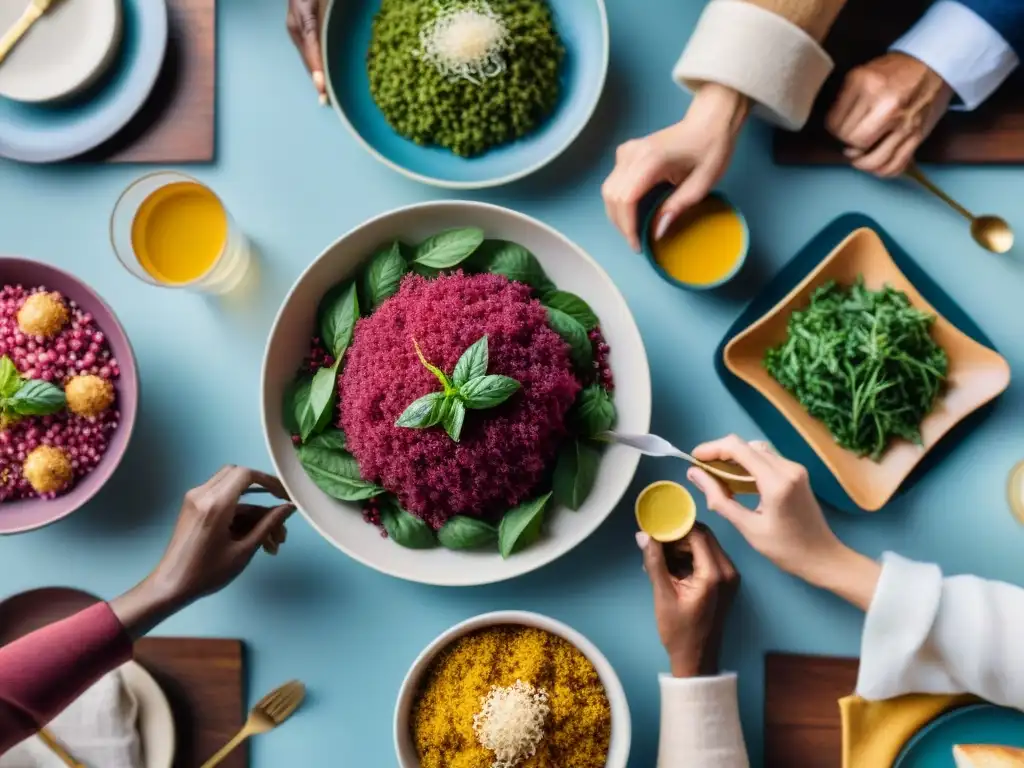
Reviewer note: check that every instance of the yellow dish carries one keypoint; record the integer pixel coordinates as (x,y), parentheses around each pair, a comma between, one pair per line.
(666,511)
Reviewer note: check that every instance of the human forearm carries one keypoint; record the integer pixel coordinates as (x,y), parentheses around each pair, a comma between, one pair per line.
(147,605)
(45,671)
(844,572)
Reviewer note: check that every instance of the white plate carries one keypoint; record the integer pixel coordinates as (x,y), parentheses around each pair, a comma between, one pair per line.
(64,52)
(156,723)
(572,270)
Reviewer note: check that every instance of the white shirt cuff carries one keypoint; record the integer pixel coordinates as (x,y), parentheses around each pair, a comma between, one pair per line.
(897,625)
(760,54)
(963,49)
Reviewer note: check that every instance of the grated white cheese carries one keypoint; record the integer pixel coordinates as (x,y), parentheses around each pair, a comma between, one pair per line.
(511,722)
(466,41)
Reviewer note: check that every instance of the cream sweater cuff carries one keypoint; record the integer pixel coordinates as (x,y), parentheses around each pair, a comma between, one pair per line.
(700,723)
(760,54)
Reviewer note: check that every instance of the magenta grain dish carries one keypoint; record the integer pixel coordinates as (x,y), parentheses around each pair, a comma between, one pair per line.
(68,394)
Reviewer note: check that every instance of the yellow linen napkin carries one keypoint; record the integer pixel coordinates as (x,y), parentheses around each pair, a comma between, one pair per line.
(874,732)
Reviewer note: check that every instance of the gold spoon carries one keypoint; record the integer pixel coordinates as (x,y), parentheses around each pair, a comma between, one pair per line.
(33,12)
(58,749)
(276,707)
(990,232)
(733,475)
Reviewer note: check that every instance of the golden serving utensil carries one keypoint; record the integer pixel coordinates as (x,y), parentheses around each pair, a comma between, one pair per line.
(990,232)
(732,474)
(32,14)
(58,749)
(276,707)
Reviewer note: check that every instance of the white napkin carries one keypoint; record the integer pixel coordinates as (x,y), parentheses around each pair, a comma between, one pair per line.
(99,730)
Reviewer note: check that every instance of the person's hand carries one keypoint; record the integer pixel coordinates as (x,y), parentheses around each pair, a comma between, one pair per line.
(692,155)
(215,538)
(886,108)
(691,611)
(788,525)
(304,21)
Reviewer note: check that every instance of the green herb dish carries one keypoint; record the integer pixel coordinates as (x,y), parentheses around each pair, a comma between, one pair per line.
(450,395)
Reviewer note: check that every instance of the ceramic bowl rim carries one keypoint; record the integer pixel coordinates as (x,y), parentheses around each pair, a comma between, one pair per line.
(782,305)
(645,240)
(622,729)
(484,183)
(469,205)
(87,78)
(128,379)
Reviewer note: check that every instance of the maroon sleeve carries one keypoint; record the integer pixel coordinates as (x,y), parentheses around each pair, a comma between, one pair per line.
(45,671)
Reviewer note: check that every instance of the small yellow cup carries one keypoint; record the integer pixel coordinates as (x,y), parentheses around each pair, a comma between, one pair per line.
(666,511)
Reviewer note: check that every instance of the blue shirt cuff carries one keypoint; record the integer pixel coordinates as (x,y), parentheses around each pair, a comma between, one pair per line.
(963,49)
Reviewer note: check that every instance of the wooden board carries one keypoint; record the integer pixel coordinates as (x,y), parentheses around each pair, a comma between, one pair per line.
(204,681)
(177,124)
(865,29)
(801,714)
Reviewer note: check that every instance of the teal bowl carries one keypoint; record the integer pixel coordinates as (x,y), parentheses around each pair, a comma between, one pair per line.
(645,241)
(932,746)
(583,28)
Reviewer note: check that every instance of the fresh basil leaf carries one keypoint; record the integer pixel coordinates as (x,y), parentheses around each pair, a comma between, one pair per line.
(423,413)
(472,364)
(332,439)
(323,398)
(338,314)
(383,276)
(426,272)
(516,263)
(521,526)
(336,474)
(575,335)
(406,529)
(573,306)
(10,379)
(441,375)
(595,411)
(449,248)
(462,532)
(454,417)
(298,415)
(488,391)
(575,473)
(37,398)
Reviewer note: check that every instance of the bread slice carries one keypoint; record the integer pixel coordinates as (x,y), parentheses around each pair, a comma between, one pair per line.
(987,756)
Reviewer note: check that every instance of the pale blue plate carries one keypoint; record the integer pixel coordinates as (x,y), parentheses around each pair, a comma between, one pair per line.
(49,133)
(583,27)
(932,746)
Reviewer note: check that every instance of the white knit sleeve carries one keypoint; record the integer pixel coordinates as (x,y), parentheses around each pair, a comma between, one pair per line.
(776,64)
(700,723)
(926,634)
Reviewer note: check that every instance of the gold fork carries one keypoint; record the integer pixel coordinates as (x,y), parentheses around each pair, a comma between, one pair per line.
(32,14)
(276,707)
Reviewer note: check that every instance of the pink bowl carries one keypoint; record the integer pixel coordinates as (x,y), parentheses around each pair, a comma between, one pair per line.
(29,514)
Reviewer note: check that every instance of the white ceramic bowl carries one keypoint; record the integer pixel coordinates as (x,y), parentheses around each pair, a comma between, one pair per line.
(622,729)
(64,52)
(572,270)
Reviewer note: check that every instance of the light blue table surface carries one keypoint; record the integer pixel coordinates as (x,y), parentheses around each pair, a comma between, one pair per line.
(295,180)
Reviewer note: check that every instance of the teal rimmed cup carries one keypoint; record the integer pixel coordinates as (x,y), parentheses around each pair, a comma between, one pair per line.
(741,257)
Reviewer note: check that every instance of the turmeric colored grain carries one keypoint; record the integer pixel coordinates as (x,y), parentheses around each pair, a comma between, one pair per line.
(578,728)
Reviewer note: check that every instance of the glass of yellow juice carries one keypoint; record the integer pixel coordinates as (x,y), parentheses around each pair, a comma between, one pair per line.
(171,230)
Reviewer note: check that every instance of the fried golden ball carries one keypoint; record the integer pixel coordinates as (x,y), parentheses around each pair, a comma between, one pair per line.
(48,469)
(43,314)
(89,395)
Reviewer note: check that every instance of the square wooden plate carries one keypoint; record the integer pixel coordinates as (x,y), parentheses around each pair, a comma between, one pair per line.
(977,374)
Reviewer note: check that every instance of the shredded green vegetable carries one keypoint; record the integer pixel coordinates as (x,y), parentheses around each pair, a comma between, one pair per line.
(864,363)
